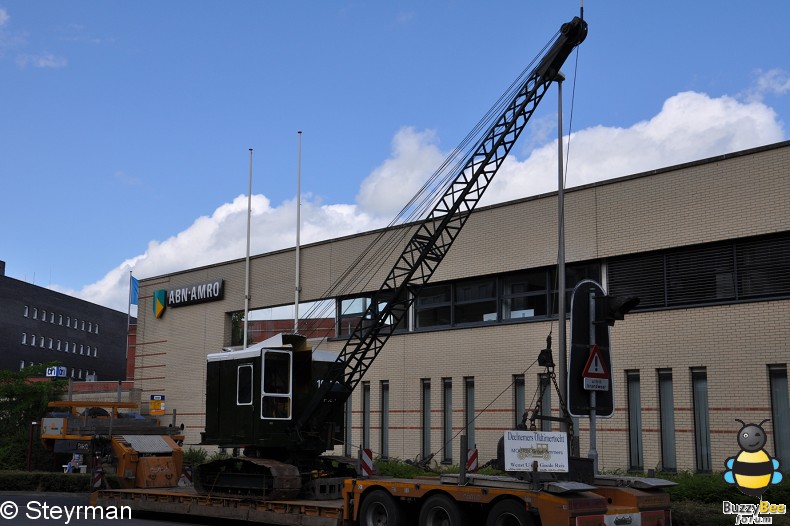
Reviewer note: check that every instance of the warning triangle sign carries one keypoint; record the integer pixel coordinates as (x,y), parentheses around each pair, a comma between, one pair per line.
(595,367)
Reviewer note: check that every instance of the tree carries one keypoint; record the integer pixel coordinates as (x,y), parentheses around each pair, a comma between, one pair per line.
(24,396)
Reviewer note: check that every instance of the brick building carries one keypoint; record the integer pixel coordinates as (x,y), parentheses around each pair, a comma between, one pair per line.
(705,245)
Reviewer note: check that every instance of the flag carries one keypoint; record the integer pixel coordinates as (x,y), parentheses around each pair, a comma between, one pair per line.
(134,290)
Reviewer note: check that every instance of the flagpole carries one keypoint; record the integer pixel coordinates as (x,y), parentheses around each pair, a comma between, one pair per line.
(298,226)
(247,265)
(128,314)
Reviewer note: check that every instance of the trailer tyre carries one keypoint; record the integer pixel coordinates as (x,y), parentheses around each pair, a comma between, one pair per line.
(441,510)
(509,513)
(380,509)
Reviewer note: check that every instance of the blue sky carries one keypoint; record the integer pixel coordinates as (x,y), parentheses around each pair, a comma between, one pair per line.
(125,126)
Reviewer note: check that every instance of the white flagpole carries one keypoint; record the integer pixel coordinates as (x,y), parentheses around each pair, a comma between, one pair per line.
(247,270)
(298,227)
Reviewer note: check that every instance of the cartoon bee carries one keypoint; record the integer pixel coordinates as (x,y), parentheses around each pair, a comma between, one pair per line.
(753,469)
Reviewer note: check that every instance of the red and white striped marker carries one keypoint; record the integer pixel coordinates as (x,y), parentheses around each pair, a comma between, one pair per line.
(366,462)
(471,460)
(97,479)
(186,476)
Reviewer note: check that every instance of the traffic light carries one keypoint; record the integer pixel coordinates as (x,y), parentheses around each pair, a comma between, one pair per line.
(593,313)
(615,308)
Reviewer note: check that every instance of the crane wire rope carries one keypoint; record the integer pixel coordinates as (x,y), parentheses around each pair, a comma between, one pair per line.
(366,266)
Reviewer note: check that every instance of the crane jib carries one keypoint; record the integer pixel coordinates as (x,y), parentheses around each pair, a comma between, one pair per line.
(433,238)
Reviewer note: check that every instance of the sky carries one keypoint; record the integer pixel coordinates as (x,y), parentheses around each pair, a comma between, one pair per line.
(125,127)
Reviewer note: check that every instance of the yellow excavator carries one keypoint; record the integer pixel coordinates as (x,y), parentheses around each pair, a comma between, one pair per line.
(142,452)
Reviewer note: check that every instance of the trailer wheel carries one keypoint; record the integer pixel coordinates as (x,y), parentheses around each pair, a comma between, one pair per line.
(379,509)
(441,510)
(509,512)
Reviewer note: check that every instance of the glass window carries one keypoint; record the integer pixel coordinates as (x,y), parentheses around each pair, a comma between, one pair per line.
(447,420)
(469,411)
(545,400)
(68,321)
(49,343)
(35,313)
(43,315)
(519,399)
(24,338)
(433,306)
(90,327)
(524,295)
(59,345)
(635,457)
(385,419)
(475,301)
(33,340)
(276,385)
(426,417)
(60,319)
(51,317)
(96,329)
(763,267)
(699,385)
(365,415)
(780,410)
(350,313)
(244,384)
(82,325)
(82,349)
(41,341)
(666,407)
(26,311)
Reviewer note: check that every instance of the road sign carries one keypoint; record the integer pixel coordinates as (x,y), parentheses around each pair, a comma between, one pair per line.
(56,372)
(584,375)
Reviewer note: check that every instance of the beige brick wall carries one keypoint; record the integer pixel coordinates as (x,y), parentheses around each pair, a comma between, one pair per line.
(729,197)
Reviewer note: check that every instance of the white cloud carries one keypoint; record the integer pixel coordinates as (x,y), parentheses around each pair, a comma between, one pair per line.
(771,82)
(223,236)
(690,126)
(389,187)
(3,16)
(41,60)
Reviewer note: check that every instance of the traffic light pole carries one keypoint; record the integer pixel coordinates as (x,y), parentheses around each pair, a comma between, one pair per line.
(593,453)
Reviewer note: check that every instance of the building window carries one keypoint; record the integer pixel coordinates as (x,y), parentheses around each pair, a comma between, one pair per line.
(365,415)
(524,295)
(469,412)
(51,317)
(24,338)
(35,313)
(777,375)
(475,301)
(33,340)
(43,315)
(49,343)
(82,325)
(666,408)
(90,327)
(519,399)
(544,381)
(634,421)
(425,385)
(244,384)
(60,319)
(68,321)
(41,341)
(432,307)
(74,347)
(447,420)
(96,329)
(276,385)
(352,310)
(59,345)
(385,419)
(82,349)
(347,447)
(21,364)
(712,273)
(26,313)
(95,350)
(699,388)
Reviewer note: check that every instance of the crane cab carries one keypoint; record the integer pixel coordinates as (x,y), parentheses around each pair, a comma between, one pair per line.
(254,396)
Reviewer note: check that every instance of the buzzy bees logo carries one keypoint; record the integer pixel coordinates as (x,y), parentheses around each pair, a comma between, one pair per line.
(752,471)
